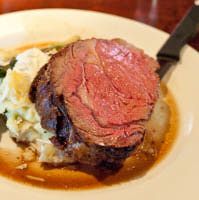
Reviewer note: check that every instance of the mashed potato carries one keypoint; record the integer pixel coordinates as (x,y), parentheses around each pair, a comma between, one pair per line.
(23,121)
(22,118)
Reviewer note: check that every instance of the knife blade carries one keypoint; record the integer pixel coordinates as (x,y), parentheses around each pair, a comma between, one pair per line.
(169,54)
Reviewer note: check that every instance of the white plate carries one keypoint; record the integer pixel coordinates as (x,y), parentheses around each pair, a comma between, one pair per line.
(176,177)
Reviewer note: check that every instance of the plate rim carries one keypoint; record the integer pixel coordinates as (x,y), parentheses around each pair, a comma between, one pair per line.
(79,10)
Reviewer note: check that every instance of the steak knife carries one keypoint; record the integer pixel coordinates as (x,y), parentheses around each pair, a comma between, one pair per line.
(169,54)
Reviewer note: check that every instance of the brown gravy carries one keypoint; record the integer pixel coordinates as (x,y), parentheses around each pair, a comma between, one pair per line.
(70,178)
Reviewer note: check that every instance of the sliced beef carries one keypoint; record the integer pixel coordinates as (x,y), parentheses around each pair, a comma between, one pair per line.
(96,95)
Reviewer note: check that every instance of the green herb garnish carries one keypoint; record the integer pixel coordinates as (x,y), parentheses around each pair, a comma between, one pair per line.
(56,46)
(3,69)
(12,62)
(2,73)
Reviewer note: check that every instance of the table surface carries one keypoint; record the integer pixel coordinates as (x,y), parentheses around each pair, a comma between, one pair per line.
(162,14)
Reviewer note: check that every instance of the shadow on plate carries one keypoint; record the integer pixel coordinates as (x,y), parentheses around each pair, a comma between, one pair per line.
(168,74)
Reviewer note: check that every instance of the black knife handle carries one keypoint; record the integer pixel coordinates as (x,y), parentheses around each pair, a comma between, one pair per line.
(185,30)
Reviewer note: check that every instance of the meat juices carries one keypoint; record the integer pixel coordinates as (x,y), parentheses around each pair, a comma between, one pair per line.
(96,95)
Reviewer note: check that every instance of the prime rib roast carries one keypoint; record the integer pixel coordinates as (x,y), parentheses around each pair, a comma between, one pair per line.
(96,96)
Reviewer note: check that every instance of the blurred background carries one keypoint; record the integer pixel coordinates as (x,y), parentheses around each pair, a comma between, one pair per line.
(162,14)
